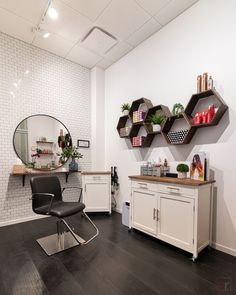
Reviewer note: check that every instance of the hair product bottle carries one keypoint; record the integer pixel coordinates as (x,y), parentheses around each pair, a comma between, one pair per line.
(199,83)
(204,82)
(210,83)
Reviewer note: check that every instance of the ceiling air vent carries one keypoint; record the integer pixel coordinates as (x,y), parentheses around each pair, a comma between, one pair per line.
(99,40)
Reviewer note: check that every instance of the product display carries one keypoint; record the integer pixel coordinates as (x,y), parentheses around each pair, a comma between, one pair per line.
(206,116)
(138,140)
(177,136)
(138,116)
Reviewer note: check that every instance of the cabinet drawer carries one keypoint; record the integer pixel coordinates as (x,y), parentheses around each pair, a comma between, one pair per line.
(176,190)
(97,178)
(144,185)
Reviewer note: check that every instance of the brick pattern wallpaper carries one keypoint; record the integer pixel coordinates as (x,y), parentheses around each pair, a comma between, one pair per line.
(34,81)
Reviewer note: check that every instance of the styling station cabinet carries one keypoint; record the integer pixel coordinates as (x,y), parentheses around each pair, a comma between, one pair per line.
(97,191)
(176,211)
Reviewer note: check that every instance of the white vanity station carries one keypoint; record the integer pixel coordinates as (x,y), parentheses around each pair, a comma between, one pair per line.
(177,211)
(97,191)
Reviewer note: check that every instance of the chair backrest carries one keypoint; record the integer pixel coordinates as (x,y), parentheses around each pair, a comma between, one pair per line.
(47,184)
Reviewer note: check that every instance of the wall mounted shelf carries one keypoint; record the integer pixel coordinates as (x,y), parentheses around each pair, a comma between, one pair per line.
(171,129)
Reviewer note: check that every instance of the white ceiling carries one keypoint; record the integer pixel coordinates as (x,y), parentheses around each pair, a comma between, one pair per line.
(128,21)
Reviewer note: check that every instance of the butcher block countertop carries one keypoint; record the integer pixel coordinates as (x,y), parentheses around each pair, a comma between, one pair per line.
(185,181)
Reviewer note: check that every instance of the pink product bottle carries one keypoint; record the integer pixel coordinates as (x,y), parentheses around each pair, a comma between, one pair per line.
(210,113)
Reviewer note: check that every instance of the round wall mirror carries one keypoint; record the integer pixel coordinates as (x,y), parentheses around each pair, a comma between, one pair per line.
(38,141)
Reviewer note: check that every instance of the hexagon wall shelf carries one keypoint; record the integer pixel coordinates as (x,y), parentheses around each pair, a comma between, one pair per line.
(171,128)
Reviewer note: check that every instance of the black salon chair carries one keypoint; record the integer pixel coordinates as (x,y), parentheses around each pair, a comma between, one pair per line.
(47,200)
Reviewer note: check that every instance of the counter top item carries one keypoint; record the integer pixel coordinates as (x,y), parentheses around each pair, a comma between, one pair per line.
(95,172)
(186,181)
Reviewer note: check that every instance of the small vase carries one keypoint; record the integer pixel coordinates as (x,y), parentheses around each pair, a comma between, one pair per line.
(182,175)
(73,166)
(156,128)
(125,113)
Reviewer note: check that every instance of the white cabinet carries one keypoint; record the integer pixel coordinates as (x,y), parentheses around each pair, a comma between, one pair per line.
(143,208)
(96,191)
(177,214)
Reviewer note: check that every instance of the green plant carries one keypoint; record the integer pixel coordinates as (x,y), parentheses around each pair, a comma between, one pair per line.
(69,152)
(125,106)
(178,109)
(156,119)
(182,168)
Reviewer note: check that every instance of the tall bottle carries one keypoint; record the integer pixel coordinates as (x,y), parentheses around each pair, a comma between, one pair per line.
(204,81)
(199,83)
(210,83)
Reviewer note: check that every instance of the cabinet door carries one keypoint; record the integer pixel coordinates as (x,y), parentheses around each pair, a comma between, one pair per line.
(176,220)
(97,196)
(143,214)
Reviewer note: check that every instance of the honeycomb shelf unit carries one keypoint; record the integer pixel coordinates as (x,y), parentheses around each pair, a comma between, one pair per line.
(181,134)
(171,128)
(200,101)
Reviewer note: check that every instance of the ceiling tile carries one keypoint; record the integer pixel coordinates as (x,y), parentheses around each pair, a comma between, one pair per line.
(53,43)
(118,51)
(152,6)
(122,17)
(104,63)
(70,24)
(15,26)
(172,10)
(144,32)
(89,8)
(83,56)
(31,10)
(99,41)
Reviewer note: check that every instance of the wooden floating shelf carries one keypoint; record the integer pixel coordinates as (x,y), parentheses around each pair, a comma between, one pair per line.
(197,102)
(40,141)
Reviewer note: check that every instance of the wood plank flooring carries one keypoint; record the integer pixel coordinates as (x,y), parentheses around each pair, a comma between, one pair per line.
(116,263)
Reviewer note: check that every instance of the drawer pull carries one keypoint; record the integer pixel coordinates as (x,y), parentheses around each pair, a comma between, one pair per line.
(157,214)
(154,213)
(173,188)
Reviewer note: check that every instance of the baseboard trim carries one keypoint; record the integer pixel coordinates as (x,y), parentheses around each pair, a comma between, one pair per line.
(20,220)
(118,210)
(225,249)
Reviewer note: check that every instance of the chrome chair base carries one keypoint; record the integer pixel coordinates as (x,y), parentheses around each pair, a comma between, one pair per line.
(59,242)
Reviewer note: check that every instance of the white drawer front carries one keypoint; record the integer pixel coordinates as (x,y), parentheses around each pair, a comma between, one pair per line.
(176,189)
(96,178)
(144,185)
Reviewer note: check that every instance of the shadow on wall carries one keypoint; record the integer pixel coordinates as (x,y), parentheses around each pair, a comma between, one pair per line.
(207,135)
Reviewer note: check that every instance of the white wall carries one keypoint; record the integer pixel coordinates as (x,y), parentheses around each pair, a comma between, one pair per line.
(164,69)
(46,84)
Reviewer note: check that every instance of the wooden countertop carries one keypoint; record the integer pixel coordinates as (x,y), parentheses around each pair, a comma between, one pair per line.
(95,172)
(186,181)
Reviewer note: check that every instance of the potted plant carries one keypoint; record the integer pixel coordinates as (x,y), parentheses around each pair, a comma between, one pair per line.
(182,169)
(73,153)
(156,120)
(125,108)
(178,109)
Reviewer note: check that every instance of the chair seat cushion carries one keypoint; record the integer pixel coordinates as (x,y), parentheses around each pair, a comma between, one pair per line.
(64,209)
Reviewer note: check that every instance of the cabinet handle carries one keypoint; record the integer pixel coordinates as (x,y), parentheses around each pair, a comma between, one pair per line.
(143,185)
(154,213)
(157,214)
(85,188)
(173,188)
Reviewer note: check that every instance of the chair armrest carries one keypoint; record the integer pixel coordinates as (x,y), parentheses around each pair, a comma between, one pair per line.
(50,197)
(74,187)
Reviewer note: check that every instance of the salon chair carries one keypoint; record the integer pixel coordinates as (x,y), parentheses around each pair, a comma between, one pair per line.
(47,200)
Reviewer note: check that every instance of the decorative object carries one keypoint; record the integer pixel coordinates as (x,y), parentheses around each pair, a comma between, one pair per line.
(73,153)
(198,167)
(156,120)
(182,170)
(178,109)
(204,82)
(138,141)
(125,108)
(177,136)
(83,143)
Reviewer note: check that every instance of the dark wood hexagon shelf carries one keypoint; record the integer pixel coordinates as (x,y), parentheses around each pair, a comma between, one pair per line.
(122,128)
(159,109)
(180,134)
(200,101)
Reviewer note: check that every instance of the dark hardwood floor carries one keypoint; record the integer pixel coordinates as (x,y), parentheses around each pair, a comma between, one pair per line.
(116,263)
